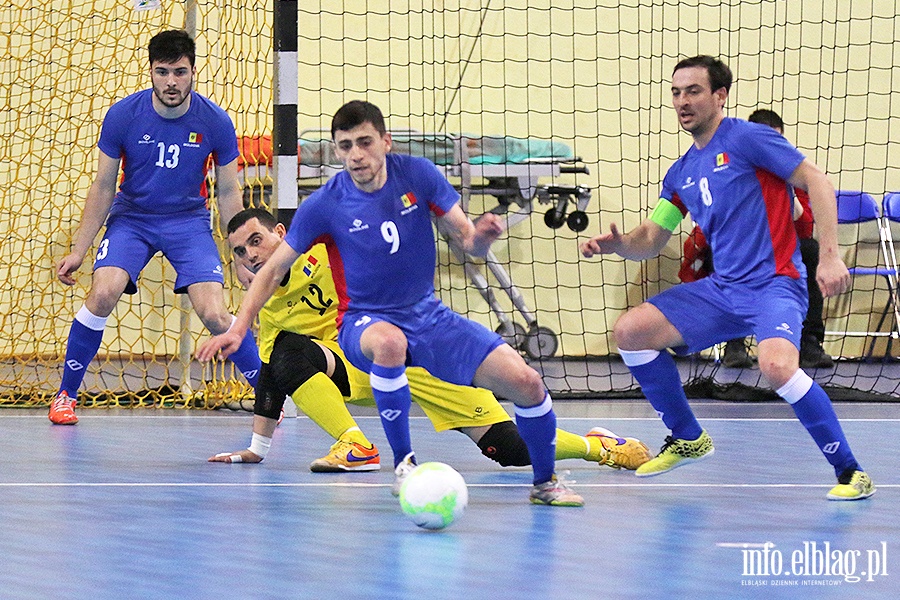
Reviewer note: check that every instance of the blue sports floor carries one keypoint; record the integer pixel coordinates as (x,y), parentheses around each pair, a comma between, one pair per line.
(124,505)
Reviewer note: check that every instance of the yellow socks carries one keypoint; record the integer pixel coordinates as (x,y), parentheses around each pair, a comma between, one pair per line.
(321,400)
(569,445)
(355,435)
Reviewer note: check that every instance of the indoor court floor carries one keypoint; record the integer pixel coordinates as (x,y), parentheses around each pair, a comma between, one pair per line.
(124,505)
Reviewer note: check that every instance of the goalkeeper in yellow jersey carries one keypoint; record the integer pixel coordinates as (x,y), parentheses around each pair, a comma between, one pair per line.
(301,359)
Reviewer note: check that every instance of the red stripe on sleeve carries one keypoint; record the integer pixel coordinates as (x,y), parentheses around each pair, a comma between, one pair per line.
(337,274)
(676,200)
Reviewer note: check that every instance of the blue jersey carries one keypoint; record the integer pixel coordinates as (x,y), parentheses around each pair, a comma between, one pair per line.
(735,189)
(165,161)
(385,238)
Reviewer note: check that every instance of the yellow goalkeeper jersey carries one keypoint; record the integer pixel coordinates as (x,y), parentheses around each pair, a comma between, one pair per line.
(306,304)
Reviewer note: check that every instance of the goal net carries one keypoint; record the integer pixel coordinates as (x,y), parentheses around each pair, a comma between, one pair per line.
(556,114)
(64,63)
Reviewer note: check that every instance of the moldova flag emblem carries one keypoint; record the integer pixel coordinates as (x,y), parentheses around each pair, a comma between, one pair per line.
(310,265)
(721,159)
(195,138)
(408,199)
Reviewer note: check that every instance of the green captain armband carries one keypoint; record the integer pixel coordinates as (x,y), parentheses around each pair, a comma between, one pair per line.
(666,215)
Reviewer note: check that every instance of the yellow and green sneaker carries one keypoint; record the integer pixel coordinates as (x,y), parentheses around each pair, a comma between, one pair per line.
(852,485)
(676,453)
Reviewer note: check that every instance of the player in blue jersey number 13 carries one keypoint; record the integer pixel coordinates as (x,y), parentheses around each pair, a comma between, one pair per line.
(162,138)
(376,214)
(735,180)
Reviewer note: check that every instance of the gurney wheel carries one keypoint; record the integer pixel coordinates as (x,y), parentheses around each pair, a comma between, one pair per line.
(541,342)
(577,221)
(554,219)
(513,334)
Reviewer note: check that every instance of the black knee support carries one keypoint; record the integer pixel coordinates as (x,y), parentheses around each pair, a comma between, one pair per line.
(294,360)
(502,443)
(269,397)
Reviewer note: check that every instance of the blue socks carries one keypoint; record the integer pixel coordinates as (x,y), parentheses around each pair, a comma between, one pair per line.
(246,359)
(85,336)
(660,381)
(392,397)
(537,426)
(813,407)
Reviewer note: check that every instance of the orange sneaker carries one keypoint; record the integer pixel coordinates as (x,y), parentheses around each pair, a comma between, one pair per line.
(62,410)
(620,453)
(347,456)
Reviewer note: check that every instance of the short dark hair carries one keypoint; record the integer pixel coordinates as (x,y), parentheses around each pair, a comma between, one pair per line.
(170,46)
(766,117)
(265,218)
(355,113)
(719,73)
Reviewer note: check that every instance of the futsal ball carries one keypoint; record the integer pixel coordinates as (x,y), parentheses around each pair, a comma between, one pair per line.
(434,495)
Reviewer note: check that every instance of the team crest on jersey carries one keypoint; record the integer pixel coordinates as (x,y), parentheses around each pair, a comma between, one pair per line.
(409,203)
(311,266)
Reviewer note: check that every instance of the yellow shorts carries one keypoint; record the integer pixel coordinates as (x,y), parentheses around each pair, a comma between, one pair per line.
(448,406)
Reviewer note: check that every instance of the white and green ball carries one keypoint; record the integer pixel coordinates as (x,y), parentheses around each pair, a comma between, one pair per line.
(434,495)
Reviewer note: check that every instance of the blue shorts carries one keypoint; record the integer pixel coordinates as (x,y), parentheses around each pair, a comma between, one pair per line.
(710,311)
(184,239)
(445,343)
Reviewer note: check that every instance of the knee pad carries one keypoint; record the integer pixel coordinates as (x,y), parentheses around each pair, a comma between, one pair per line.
(340,377)
(295,358)
(503,444)
(269,395)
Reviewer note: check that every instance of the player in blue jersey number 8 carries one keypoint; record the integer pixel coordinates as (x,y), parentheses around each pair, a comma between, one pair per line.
(735,181)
